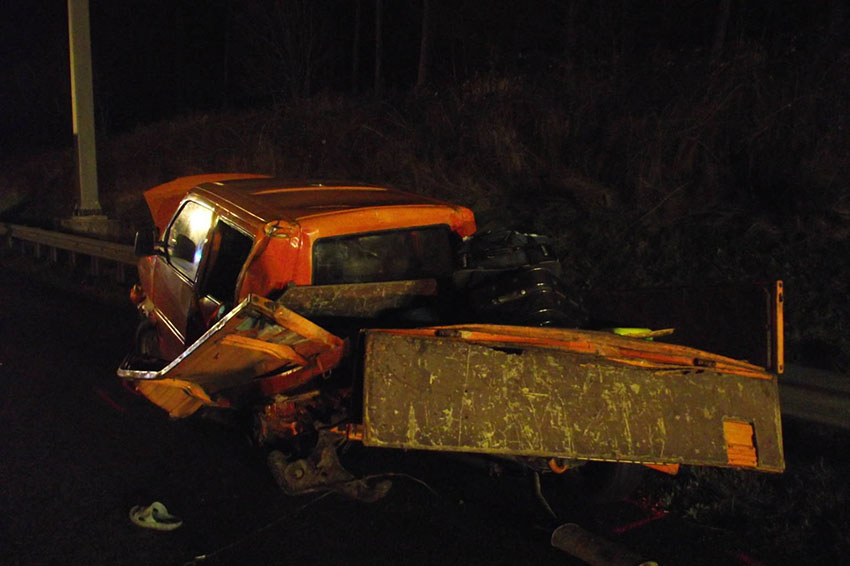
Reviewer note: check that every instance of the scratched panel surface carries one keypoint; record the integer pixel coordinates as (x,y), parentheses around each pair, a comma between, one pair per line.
(446,394)
(364,300)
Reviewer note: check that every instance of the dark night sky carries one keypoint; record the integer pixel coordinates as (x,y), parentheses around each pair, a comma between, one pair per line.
(35,90)
(151,60)
(159,58)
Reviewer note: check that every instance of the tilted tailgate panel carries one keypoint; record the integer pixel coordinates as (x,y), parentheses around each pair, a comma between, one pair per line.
(423,391)
(259,344)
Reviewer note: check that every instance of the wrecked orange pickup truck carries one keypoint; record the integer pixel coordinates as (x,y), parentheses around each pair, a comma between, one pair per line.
(331,311)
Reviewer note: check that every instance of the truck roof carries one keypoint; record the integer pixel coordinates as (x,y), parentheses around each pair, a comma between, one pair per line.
(267,199)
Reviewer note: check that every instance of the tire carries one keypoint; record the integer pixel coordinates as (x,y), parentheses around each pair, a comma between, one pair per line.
(147,340)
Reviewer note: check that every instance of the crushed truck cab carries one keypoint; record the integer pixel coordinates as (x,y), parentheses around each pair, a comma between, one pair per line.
(339,310)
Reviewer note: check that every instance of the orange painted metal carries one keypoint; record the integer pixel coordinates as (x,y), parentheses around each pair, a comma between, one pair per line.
(332,205)
(321,351)
(270,265)
(284,220)
(740,443)
(459,219)
(633,351)
(257,350)
(671,469)
(287,220)
(351,431)
(779,327)
(164,199)
(312,332)
(283,252)
(279,351)
(180,398)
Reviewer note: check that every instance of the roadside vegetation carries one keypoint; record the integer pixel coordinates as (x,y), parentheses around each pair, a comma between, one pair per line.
(799,517)
(671,174)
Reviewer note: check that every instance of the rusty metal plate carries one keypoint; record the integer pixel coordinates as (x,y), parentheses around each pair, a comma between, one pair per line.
(362,300)
(450,394)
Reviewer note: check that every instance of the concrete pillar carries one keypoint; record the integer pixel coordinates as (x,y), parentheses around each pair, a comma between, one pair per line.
(82,102)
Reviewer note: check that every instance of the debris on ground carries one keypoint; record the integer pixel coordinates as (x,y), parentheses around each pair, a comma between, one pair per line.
(154,516)
(594,549)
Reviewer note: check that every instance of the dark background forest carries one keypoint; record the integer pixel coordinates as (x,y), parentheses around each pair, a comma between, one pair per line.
(658,142)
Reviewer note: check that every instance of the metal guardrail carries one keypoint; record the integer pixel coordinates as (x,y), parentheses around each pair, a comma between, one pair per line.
(815,396)
(51,242)
(805,393)
(102,249)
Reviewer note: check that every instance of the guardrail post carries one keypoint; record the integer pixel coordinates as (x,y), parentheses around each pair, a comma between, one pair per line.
(120,273)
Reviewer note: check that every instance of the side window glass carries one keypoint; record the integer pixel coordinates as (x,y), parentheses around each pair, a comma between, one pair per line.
(233,250)
(186,237)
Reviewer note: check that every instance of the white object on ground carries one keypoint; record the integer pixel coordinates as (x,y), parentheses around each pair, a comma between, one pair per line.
(154,516)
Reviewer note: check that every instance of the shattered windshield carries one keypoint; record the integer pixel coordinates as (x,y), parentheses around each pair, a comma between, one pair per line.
(396,255)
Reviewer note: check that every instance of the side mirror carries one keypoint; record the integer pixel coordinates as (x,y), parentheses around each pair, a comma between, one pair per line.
(144,244)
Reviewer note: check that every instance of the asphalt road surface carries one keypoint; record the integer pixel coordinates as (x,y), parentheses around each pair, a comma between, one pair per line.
(78,450)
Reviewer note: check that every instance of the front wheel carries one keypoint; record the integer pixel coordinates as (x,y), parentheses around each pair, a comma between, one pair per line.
(147,340)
